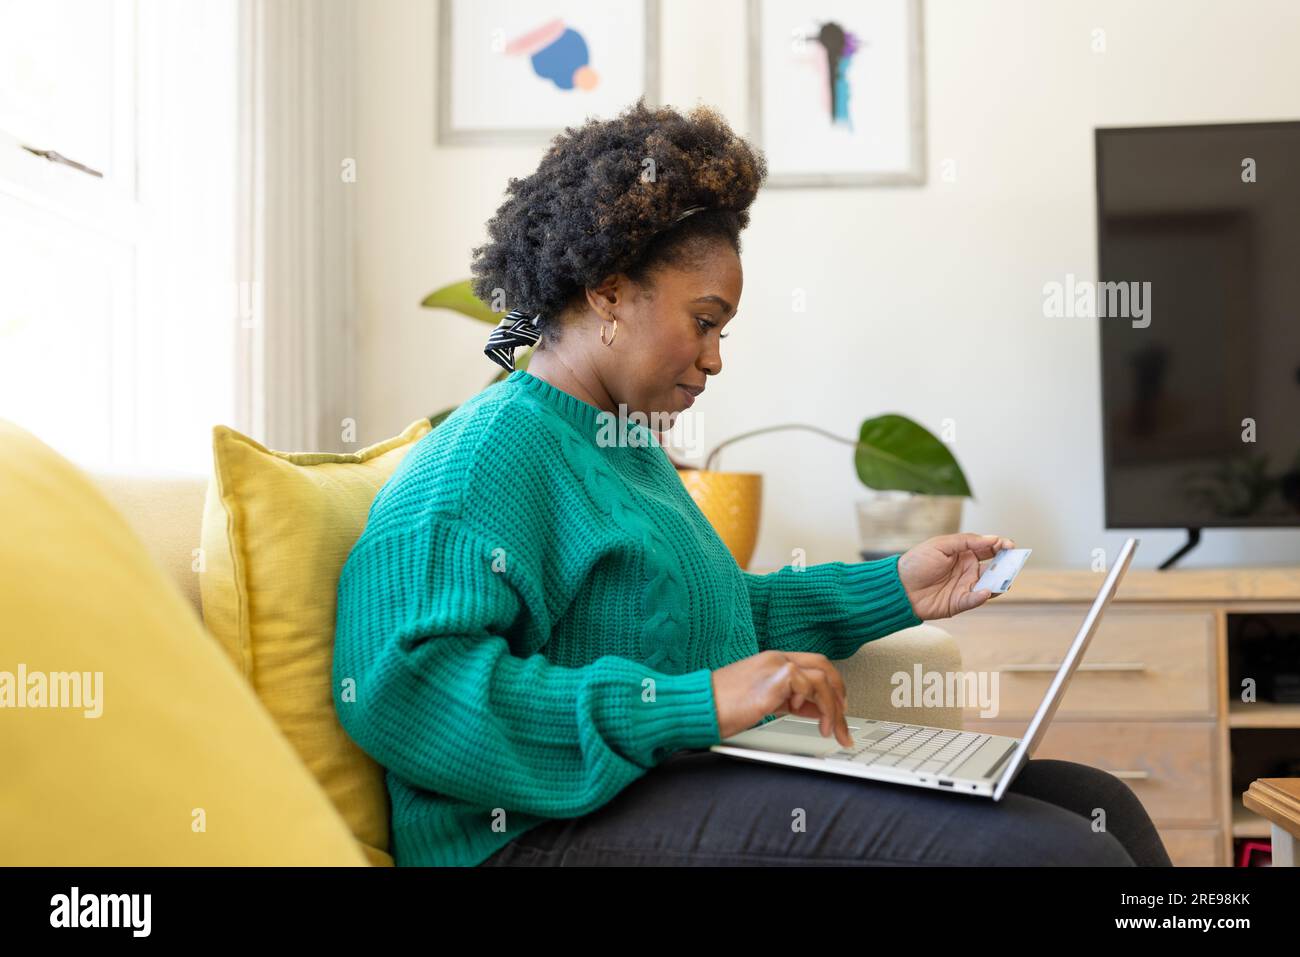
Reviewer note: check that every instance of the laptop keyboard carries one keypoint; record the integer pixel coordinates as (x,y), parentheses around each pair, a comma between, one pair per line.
(909,746)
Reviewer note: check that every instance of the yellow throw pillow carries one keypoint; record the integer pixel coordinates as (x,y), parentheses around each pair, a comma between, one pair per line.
(277,529)
(126,738)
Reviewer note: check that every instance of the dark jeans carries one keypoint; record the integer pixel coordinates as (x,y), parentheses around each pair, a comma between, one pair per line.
(701,808)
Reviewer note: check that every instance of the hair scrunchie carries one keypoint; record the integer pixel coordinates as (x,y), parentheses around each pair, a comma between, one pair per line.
(515,330)
(520,329)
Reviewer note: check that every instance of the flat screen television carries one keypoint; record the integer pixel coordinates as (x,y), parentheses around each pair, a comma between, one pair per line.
(1201,395)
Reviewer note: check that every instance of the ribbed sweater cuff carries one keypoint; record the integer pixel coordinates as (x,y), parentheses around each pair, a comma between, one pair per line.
(878,600)
(844,604)
(664,713)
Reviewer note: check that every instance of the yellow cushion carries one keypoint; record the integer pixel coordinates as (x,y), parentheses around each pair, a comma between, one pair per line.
(277,528)
(182,765)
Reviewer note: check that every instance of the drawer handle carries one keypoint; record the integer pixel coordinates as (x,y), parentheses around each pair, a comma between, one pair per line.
(1131,775)
(1086,666)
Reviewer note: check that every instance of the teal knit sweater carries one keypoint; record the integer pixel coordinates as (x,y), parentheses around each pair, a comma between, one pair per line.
(532,615)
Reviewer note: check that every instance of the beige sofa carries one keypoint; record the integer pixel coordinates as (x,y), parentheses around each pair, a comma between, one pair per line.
(165,509)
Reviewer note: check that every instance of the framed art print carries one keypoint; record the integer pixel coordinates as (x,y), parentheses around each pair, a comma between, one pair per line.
(520,71)
(836,91)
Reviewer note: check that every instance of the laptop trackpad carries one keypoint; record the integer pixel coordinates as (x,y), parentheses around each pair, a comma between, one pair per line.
(787,737)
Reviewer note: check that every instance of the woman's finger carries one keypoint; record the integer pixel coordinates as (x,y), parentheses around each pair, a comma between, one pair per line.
(824,693)
(801,682)
(983,546)
(814,688)
(810,659)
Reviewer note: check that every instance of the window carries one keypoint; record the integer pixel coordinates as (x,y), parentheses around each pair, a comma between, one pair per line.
(119,310)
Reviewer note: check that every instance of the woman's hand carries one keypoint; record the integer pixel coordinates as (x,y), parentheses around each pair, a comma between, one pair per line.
(938,573)
(781,682)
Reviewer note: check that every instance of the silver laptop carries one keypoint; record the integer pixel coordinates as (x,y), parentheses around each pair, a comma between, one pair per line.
(964,762)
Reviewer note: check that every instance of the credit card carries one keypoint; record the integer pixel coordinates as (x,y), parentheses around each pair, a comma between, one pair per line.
(1002,570)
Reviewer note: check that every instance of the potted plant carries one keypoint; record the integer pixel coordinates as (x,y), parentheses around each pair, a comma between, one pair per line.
(916,487)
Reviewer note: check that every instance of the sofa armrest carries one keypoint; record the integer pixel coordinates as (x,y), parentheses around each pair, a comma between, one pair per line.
(165,509)
(868,675)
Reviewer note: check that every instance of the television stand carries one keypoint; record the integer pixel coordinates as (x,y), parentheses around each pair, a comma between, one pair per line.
(1193,539)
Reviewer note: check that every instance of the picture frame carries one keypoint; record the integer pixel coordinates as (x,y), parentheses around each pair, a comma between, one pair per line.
(539,68)
(826,119)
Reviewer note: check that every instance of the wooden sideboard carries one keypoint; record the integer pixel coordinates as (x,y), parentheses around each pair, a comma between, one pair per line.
(1157,699)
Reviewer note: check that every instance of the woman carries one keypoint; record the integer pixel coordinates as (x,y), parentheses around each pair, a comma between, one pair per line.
(545,634)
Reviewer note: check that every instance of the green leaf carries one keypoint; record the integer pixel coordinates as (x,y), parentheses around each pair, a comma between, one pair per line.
(459,297)
(894,452)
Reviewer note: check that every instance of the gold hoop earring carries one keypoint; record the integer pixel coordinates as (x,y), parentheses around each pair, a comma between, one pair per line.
(610,340)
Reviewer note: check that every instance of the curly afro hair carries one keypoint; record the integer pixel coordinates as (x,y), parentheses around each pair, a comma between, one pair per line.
(605,199)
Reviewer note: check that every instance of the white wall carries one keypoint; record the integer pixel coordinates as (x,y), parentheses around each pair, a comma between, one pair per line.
(925,301)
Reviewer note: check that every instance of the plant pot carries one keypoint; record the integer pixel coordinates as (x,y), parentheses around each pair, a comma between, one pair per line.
(891,522)
(732,502)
